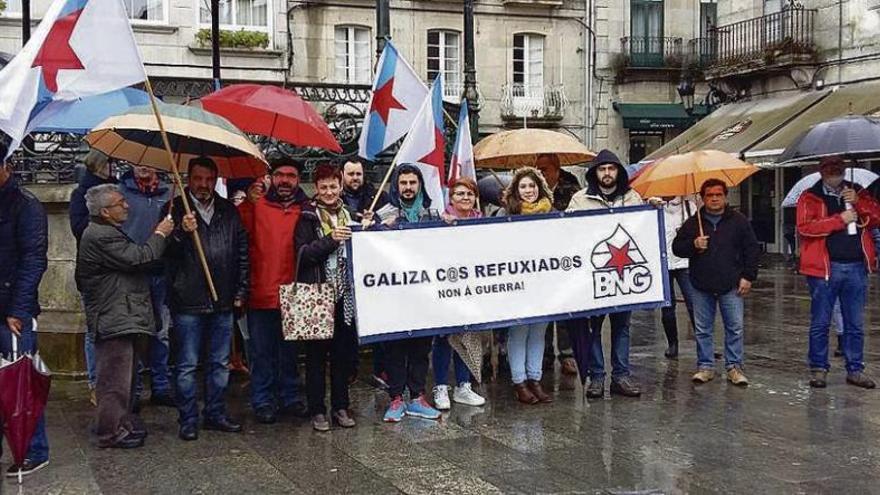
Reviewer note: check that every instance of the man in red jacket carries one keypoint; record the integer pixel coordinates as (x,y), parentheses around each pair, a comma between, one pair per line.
(833,221)
(270,222)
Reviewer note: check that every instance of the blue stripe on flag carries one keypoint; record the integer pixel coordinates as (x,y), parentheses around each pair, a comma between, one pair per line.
(375,136)
(437,103)
(72,6)
(44,97)
(389,66)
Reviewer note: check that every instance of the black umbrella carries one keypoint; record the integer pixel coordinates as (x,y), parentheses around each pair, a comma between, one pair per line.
(492,187)
(855,137)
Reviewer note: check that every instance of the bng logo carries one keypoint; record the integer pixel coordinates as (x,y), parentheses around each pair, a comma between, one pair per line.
(621,269)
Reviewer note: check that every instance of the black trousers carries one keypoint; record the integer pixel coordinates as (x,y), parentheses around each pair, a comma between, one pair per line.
(406,362)
(116,367)
(341,351)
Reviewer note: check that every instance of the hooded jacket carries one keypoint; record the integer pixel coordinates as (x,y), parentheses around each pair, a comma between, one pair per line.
(675,213)
(145,209)
(24,242)
(394,192)
(591,197)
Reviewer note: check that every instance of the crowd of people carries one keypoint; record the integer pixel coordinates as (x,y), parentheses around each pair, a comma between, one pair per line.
(141,277)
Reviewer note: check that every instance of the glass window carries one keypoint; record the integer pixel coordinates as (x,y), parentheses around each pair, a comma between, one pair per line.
(13,7)
(145,10)
(238,13)
(708,17)
(528,64)
(353,54)
(444,55)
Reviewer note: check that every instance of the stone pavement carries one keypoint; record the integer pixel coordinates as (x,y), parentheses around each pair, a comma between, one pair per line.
(776,436)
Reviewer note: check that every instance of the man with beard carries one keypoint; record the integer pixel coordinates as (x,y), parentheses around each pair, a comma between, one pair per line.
(407,359)
(197,318)
(270,222)
(607,187)
(357,194)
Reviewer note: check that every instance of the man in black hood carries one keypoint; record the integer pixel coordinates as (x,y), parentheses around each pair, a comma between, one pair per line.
(607,187)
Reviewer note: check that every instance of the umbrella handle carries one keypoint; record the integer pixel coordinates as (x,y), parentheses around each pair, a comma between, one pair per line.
(14,346)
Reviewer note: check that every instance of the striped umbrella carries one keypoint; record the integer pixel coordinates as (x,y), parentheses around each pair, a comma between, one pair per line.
(134,137)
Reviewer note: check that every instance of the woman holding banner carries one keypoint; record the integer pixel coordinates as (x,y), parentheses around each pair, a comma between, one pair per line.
(463,195)
(527,194)
(320,245)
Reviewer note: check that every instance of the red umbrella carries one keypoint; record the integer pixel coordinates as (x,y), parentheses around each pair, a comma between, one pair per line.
(274,112)
(24,390)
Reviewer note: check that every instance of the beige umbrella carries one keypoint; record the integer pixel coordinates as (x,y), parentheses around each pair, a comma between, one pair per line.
(520,148)
(135,138)
(469,346)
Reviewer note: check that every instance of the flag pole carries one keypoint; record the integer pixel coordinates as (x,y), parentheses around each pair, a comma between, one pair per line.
(176,173)
(383,184)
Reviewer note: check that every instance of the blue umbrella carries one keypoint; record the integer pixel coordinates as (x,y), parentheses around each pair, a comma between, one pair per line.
(80,116)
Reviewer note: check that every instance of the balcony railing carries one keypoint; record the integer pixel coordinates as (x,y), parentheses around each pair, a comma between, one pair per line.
(765,38)
(522,101)
(652,52)
(702,52)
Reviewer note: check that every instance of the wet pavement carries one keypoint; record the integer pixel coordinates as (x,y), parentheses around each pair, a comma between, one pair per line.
(776,436)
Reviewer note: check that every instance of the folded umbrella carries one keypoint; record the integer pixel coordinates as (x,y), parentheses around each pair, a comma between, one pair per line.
(469,347)
(24,391)
(860,176)
(273,112)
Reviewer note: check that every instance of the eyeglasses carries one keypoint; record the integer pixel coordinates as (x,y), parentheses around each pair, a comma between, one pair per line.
(121,202)
(464,194)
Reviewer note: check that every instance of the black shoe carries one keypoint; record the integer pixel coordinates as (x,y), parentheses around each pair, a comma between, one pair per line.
(26,468)
(142,434)
(296,409)
(596,388)
(163,400)
(129,442)
(624,386)
(188,433)
(265,415)
(818,378)
(223,424)
(672,351)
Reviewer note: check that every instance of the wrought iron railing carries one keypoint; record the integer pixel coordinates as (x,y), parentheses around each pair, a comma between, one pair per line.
(702,52)
(789,32)
(523,101)
(652,52)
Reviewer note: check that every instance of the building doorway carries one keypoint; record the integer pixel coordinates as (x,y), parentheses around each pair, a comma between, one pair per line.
(643,143)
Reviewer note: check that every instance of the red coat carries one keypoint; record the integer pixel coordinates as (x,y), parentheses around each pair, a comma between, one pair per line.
(270,228)
(814,225)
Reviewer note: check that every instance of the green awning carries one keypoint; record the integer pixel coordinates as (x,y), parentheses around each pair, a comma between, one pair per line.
(656,116)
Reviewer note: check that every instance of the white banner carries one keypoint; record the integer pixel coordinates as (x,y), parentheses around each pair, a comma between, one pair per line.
(491,273)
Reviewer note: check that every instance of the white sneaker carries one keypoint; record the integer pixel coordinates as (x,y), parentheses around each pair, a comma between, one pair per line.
(464,395)
(441,397)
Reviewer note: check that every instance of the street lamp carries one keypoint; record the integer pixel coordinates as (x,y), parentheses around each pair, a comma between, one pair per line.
(470,70)
(686,91)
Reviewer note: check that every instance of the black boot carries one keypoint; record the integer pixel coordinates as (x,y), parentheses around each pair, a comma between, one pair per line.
(672,351)
(839,351)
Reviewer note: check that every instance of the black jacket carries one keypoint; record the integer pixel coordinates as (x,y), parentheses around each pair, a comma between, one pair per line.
(226,249)
(24,242)
(732,254)
(114,274)
(312,247)
(79,214)
(358,201)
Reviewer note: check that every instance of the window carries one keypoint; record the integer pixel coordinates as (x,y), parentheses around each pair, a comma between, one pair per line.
(248,14)
(145,10)
(444,56)
(708,17)
(13,8)
(528,65)
(646,26)
(353,54)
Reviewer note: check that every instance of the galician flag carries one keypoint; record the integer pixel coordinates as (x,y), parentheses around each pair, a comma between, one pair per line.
(462,162)
(397,94)
(81,48)
(425,144)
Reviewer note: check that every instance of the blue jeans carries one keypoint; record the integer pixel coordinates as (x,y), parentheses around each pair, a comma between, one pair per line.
(525,351)
(848,284)
(89,349)
(274,376)
(731,305)
(670,323)
(39,449)
(190,331)
(159,352)
(440,359)
(619,346)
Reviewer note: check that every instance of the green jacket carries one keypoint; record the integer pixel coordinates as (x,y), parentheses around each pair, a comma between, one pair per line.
(113,273)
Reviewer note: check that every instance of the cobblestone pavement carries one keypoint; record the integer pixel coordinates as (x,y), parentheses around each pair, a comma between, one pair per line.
(776,436)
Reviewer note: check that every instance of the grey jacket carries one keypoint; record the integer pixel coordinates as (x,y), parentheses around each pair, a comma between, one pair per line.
(113,273)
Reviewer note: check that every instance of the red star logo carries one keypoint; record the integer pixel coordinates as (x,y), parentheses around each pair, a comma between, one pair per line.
(56,53)
(619,258)
(384,101)
(437,156)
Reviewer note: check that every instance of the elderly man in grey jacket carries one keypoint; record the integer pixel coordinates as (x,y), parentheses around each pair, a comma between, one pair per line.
(113,272)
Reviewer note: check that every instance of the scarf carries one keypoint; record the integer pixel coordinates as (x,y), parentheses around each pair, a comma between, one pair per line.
(336,265)
(474,213)
(541,206)
(413,211)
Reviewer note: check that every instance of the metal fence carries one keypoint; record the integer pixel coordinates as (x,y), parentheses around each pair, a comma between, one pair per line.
(764,38)
(649,51)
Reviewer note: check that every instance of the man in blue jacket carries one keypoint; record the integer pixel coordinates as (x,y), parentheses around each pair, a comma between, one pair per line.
(23,246)
(147,196)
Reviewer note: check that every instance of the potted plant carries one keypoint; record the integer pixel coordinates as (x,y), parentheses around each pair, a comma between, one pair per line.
(248,40)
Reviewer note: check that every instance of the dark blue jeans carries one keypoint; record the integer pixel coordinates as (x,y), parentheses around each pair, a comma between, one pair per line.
(159,352)
(274,375)
(848,283)
(731,305)
(39,449)
(190,331)
(619,346)
(440,356)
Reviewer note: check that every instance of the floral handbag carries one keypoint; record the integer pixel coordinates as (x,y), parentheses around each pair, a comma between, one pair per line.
(307,310)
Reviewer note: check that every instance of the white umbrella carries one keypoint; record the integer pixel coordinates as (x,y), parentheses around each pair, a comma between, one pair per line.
(860,176)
